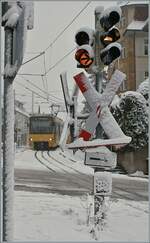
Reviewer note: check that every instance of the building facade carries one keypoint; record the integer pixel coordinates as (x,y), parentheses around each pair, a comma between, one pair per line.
(134,40)
(21,129)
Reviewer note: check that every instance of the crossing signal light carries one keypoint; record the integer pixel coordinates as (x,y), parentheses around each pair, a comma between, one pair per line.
(110,17)
(109,35)
(84,55)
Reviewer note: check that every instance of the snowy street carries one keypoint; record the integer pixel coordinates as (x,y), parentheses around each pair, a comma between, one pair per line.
(63,173)
(53,195)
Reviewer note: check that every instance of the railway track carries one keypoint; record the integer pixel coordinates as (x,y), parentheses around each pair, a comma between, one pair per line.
(66,165)
(56,166)
(41,162)
(77,178)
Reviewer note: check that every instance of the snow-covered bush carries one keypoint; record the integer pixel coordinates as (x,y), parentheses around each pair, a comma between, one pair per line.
(131,114)
(144,89)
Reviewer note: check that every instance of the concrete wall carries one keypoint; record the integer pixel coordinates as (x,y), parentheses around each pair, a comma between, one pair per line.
(133,161)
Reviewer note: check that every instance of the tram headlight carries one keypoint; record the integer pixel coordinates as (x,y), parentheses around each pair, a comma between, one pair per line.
(50,139)
(31,139)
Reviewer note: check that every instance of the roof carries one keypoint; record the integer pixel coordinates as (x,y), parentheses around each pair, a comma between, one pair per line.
(137,26)
(123,3)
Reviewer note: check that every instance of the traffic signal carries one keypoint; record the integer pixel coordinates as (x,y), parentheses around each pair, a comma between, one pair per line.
(84,55)
(109,34)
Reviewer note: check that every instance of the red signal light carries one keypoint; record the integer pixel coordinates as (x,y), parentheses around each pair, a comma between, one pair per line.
(83,57)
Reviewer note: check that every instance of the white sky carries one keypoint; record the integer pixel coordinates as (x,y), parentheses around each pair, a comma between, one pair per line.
(50,18)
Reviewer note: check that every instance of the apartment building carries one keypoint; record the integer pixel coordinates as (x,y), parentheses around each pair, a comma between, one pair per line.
(134,39)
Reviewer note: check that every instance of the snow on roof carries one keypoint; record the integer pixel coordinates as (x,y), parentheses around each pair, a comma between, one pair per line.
(123,3)
(137,25)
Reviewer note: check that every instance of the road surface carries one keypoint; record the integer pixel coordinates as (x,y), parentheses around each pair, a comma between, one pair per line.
(61,176)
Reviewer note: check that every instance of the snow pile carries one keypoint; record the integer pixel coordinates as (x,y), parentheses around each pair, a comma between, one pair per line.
(138,173)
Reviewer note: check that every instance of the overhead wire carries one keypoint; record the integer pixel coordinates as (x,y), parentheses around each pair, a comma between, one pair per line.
(34,85)
(60,60)
(39,95)
(43,53)
(60,34)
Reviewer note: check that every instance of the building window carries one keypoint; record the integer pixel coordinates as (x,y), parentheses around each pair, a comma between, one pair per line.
(123,53)
(122,23)
(146,74)
(146,46)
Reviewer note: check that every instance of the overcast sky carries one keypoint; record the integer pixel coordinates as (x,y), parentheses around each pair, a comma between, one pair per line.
(50,18)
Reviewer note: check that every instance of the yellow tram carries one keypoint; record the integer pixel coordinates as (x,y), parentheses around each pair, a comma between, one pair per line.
(44,131)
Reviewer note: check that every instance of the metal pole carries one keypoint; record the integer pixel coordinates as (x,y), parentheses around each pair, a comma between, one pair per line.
(8,144)
(98,75)
(32,102)
(0,140)
(98,200)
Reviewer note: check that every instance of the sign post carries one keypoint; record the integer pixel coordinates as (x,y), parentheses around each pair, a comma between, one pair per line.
(94,50)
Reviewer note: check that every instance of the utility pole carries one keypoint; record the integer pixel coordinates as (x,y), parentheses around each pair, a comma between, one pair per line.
(13,56)
(32,103)
(8,143)
(0,140)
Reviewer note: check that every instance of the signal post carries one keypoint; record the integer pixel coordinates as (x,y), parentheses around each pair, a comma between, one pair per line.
(96,49)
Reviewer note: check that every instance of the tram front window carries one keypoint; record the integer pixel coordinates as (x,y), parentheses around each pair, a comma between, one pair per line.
(41,125)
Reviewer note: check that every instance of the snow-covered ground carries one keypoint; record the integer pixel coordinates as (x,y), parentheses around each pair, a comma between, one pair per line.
(53,217)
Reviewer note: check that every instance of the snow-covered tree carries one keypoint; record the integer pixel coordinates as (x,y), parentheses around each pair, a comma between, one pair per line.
(132,116)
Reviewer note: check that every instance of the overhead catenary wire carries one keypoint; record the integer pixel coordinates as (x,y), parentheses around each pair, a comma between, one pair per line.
(41,96)
(33,58)
(34,85)
(44,53)
(60,60)
(50,68)
(60,34)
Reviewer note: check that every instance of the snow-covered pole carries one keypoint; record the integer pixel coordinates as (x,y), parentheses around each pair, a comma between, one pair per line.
(98,63)
(106,51)
(8,143)
(15,21)
(98,200)
(0,141)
